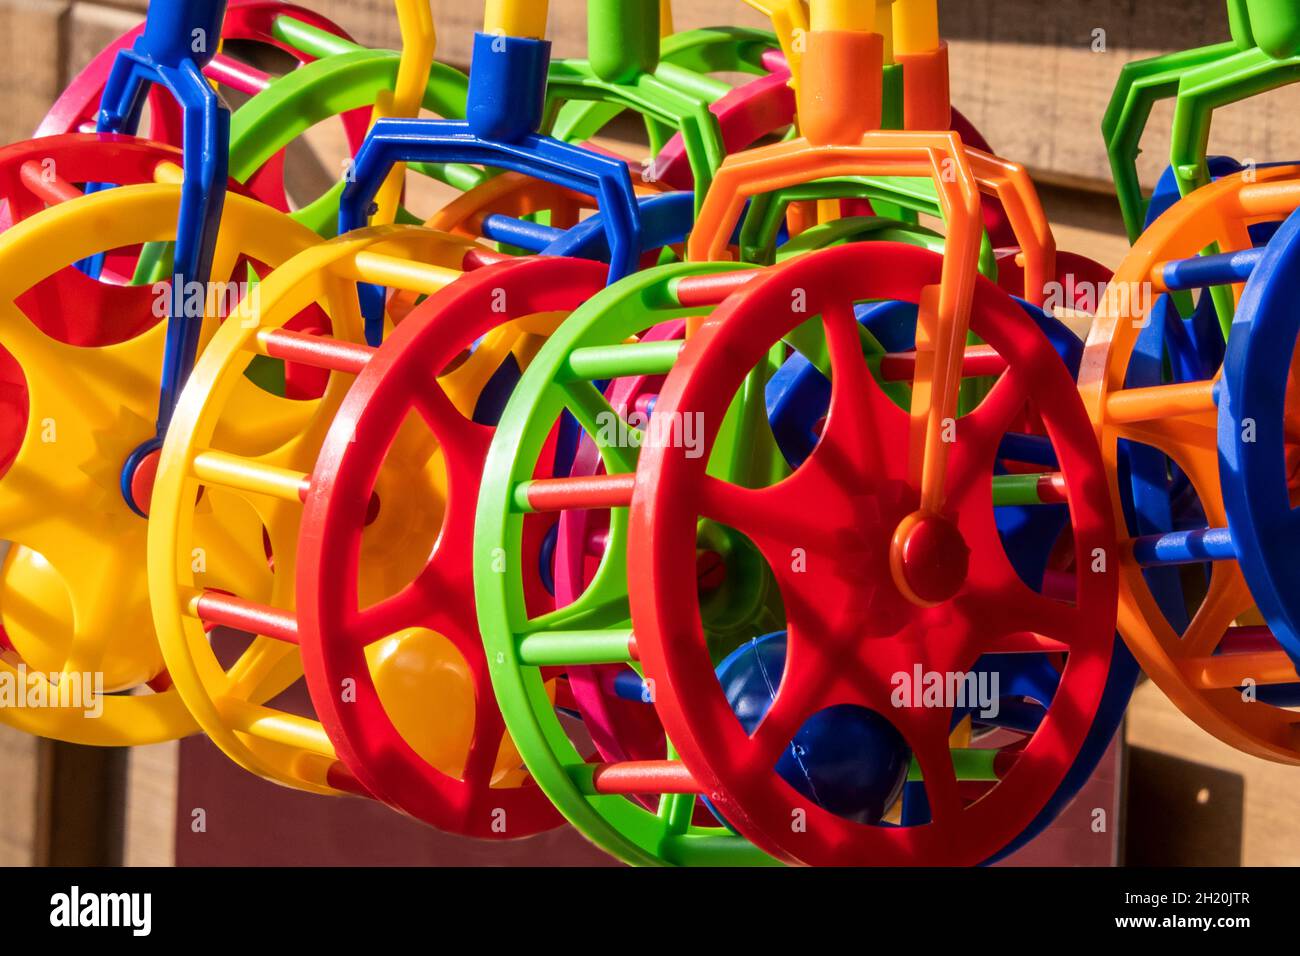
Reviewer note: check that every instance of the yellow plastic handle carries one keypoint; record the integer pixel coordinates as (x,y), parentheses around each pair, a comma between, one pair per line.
(516,18)
(858,16)
(790,23)
(666,28)
(916,26)
(419,42)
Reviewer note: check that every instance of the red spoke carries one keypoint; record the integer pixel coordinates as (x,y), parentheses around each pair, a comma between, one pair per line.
(1034,623)
(453,429)
(776,519)
(489,732)
(410,607)
(800,694)
(997,413)
(927,732)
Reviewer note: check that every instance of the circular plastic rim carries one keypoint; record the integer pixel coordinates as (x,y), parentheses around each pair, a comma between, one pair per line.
(720,756)
(108,546)
(618,826)
(395,382)
(1218,212)
(281,437)
(1257,370)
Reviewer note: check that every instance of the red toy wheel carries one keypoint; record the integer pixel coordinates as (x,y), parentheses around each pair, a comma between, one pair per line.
(252,21)
(851,630)
(40,173)
(356,467)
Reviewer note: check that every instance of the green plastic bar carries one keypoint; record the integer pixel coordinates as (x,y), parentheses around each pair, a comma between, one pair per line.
(723,849)
(1016,490)
(698,84)
(616,361)
(967,763)
(560,648)
(311,40)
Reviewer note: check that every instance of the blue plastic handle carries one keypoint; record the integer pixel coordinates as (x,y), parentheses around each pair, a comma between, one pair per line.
(180,37)
(506,90)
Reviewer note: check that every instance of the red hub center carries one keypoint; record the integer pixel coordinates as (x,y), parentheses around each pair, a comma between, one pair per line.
(930,559)
(142,479)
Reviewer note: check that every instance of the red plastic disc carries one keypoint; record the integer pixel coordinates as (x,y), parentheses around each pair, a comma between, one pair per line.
(850,630)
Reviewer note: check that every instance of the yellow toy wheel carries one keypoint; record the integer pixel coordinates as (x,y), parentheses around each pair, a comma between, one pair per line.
(73,596)
(254,452)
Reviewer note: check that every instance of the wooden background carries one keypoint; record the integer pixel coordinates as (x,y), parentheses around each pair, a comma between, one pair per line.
(1026,73)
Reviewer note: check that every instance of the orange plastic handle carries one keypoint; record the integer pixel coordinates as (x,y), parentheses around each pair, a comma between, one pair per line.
(944,317)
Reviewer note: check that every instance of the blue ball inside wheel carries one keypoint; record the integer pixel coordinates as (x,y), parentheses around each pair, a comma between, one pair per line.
(846,759)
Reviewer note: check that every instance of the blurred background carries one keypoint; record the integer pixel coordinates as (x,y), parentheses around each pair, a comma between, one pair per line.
(1035,78)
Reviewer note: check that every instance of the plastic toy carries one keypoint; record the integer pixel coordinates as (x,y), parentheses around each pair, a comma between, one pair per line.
(257,461)
(70,603)
(1201,654)
(506,96)
(711,504)
(259,21)
(1264,54)
(178,40)
(592,629)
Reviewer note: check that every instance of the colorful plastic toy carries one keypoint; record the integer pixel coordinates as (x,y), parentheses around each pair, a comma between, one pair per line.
(446,766)
(712,504)
(1264,54)
(257,460)
(1200,650)
(504,112)
(88,391)
(593,629)
(178,40)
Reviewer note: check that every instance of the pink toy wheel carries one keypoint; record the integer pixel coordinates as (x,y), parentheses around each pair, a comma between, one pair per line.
(620,729)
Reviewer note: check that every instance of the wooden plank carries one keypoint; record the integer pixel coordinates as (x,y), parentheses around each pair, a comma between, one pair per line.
(17,797)
(80,799)
(32,36)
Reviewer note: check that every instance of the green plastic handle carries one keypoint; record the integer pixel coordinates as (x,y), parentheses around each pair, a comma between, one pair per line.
(1263,55)
(347,77)
(625,70)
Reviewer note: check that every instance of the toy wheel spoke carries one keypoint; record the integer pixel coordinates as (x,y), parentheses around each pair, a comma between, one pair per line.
(1034,623)
(996,415)
(1224,601)
(489,731)
(927,731)
(231,539)
(96,606)
(802,692)
(978,437)
(858,407)
(455,432)
(409,607)
(776,519)
(17,516)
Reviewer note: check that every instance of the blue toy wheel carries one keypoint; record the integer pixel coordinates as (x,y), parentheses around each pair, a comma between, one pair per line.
(1254,408)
